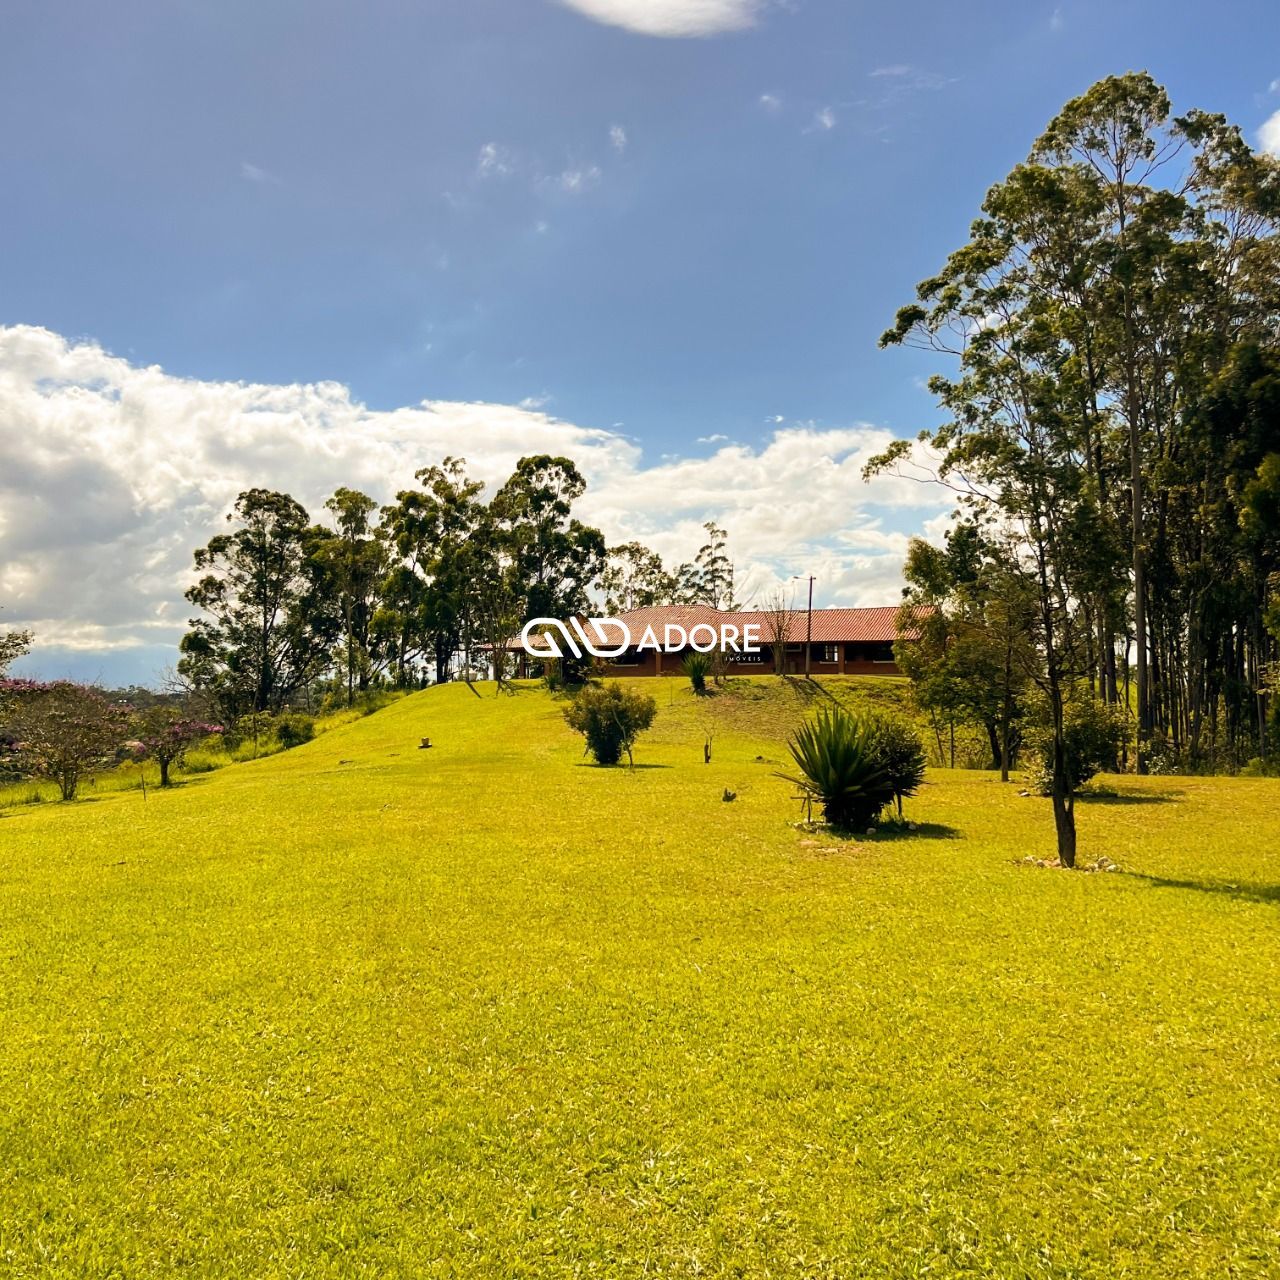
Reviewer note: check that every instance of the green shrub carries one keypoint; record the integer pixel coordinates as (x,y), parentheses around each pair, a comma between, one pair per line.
(1257,767)
(840,767)
(1094,733)
(293,728)
(697,666)
(900,750)
(610,718)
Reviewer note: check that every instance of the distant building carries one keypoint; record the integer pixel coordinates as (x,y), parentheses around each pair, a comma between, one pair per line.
(841,641)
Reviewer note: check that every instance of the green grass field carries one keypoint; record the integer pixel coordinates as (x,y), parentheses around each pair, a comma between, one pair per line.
(486,1010)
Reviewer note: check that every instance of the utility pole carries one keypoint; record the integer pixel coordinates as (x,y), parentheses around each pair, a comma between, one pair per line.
(808,627)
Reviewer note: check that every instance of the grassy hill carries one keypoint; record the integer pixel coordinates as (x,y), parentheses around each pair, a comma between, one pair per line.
(488,1010)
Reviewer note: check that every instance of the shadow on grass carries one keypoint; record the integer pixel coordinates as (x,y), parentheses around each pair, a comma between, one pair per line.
(1127,797)
(623,768)
(1244,892)
(923,831)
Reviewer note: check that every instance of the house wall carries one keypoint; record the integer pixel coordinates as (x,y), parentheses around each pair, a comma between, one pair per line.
(854,659)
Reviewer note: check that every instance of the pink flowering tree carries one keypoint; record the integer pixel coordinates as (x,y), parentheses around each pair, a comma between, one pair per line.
(163,733)
(60,730)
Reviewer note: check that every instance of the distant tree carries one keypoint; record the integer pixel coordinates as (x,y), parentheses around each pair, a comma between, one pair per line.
(634,578)
(611,719)
(555,558)
(709,579)
(494,600)
(164,732)
(269,628)
(13,645)
(966,627)
(354,561)
(425,597)
(63,731)
(779,612)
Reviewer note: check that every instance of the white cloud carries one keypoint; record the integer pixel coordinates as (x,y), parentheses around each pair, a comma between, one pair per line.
(112,473)
(1057,21)
(771,102)
(1269,135)
(717,438)
(672,17)
(618,138)
(252,173)
(575,181)
(825,119)
(494,161)
(907,77)
(540,401)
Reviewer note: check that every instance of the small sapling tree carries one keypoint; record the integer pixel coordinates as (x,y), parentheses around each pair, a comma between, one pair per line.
(164,732)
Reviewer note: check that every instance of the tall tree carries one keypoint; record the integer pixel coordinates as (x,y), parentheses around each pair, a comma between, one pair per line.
(268,628)
(554,556)
(709,579)
(426,595)
(354,560)
(634,578)
(1011,447)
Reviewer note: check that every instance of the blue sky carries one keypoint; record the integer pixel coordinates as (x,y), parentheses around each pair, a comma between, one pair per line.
(670,237)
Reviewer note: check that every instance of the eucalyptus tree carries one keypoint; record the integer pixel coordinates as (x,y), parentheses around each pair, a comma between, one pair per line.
(634,578)
(429,529)
(1013,448)
(709,579)
(554,557)
(268,626)
(354,560)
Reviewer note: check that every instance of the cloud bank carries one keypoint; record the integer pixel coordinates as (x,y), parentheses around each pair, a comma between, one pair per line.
(112,473)
(671,18)
(1269,135)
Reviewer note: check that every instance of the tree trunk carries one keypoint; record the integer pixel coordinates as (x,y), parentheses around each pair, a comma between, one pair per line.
(163,762)
(1064,820)
(993,740)
(1064,812)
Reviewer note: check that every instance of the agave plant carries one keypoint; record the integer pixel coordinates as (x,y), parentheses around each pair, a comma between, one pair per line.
(840,767)
(697,666)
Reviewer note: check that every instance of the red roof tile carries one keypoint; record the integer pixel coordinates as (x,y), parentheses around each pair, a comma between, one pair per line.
(830,626)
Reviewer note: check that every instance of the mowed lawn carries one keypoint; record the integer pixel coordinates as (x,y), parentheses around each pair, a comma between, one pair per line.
(486,1010)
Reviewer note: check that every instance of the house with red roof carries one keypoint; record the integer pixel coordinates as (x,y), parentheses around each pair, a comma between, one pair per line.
(837,641)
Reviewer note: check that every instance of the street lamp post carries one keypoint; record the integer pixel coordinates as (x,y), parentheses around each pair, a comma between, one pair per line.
(808,629)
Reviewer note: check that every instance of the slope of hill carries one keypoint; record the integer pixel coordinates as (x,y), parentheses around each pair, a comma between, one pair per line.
(484,1009)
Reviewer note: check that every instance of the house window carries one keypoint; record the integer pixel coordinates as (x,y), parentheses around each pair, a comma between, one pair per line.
(830,653)
(629,659)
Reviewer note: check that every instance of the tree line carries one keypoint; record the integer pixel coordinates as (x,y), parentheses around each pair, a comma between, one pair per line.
(1112,434)
(430,585)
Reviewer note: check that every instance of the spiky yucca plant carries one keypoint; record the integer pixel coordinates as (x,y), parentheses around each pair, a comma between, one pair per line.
(840,767)
(697,666)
